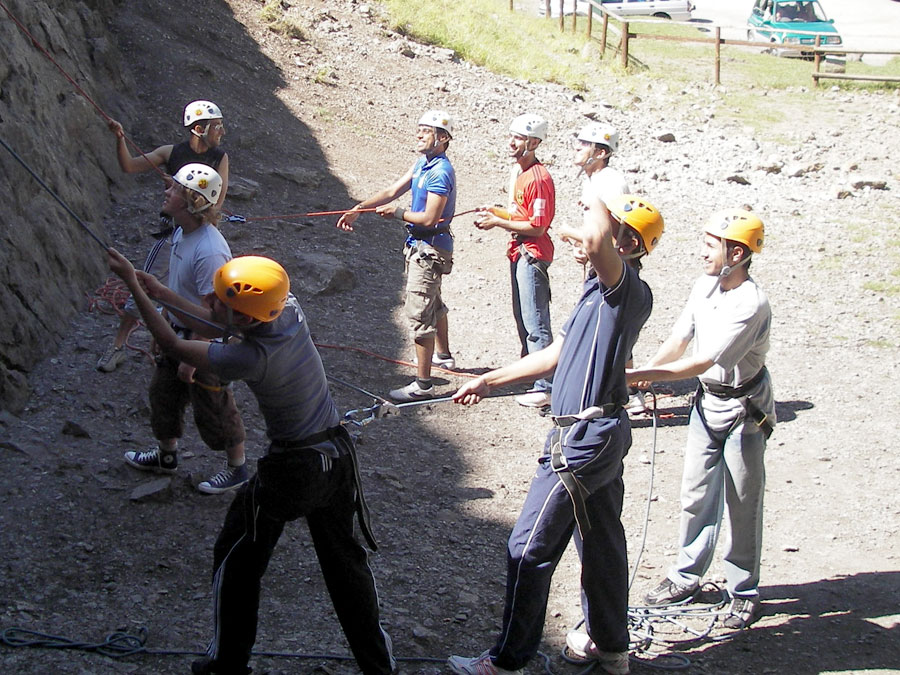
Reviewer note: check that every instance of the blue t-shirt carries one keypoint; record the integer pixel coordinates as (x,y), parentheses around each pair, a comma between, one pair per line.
(599,336)
(282,367)
(435,175)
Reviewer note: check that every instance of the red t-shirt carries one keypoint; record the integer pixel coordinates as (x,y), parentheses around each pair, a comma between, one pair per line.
(535,201)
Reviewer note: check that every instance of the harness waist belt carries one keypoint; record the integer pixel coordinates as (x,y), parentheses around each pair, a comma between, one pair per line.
(605,410)
(424,232)
(313,439)
(722,391)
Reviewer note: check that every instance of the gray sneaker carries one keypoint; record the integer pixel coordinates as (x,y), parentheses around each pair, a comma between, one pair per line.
(111,359)
(411,392)
(152,460)
(742,612)
(668,592)
(228,479)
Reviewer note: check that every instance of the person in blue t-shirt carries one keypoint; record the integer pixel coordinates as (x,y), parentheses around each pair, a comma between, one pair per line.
(428,249)
(578,485)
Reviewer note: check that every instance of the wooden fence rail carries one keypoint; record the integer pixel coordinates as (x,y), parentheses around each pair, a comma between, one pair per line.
(625,36)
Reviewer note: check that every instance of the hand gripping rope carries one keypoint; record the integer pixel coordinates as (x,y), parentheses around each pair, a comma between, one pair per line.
(381,407)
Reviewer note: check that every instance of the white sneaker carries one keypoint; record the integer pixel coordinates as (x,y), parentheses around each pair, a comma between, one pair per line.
(477,665)
(411,392)
(534,399)
(111,359)
(636,405)
(581,646)
(448,363)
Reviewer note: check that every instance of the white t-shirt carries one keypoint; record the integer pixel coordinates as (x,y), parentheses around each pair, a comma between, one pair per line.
(194,259)
(730,328)
(605,183)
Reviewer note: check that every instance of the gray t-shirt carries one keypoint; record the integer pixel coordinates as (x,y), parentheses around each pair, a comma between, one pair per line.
(282,367)
(731,328)
(194,259)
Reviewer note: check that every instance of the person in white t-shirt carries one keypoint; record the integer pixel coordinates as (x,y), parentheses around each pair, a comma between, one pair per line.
(728,319)
(594,145)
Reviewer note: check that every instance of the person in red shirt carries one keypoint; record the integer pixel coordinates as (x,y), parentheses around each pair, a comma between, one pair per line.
(532,204)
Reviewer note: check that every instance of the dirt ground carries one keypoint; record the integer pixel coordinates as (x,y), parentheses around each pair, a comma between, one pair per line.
(322,122)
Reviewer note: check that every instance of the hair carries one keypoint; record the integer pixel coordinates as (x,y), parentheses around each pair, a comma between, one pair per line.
(196,201)
(730,245)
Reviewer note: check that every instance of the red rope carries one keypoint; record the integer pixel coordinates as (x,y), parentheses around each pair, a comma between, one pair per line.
(110,298)
(78,88)
(333,213)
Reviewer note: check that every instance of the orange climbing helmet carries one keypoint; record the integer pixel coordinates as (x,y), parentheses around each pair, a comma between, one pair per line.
(253,285)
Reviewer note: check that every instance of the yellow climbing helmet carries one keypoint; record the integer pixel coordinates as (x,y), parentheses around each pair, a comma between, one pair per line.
(738,225)
(253,285)
(640,215)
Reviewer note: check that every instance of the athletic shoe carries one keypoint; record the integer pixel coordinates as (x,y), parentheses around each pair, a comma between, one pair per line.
(534,399)
(582,647)
(411,392)
(229,478)
(636,405)
(111,359)
(742,612)
(669,592)
(447,363)
(153,460)
(477,665)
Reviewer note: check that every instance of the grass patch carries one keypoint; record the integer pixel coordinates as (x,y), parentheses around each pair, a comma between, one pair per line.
(486,33)
(532,48)
(883,287)
(274,14)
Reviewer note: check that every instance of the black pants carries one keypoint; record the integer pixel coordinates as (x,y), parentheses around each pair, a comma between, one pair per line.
(287,486)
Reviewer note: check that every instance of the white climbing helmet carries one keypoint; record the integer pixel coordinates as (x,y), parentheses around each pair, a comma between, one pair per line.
(197,111)
(439,119)
(529,125)
(601,134)
(200,178)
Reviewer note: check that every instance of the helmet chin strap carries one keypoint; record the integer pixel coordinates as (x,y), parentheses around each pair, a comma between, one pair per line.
(728,269)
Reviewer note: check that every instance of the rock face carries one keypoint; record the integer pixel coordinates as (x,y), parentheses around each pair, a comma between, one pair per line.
(46,258)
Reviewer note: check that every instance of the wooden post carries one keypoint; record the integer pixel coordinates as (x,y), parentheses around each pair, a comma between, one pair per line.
(547,8)
(562,18)
(590,20)
(625,45)
(603,33)
(718,53)
(818,60)
(510,5)
(574,12)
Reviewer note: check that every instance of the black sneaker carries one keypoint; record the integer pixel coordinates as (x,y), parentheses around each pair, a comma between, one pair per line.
(742,612)
(152,460)
(668,592)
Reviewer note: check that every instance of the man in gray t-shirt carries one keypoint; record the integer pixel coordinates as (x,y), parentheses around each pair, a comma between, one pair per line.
(728,318)
(308,471)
